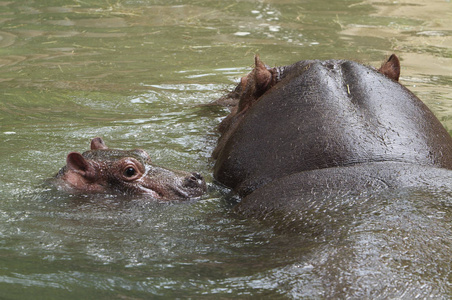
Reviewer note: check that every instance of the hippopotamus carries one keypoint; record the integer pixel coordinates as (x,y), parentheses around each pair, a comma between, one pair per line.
(352,168)
(130,172)
(353,171)
(319,124)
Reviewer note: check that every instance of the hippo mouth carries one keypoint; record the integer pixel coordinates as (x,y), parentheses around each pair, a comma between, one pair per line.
(152,193)
(176,193)
(191,186)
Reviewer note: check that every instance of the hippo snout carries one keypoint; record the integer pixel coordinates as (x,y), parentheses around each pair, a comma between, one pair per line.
(195,181)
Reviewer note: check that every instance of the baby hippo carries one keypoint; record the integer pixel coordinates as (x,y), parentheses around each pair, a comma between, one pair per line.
(104,170)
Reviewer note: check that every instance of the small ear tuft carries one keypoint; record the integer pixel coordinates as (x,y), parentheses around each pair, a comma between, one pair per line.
(77,163)
(98,143)
(262,76)
(255,84)
(258,62)
(391,68)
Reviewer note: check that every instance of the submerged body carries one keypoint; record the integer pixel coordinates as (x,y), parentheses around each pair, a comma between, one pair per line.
(351,164)
(104,170)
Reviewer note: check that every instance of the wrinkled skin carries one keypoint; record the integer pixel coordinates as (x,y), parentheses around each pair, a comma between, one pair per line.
(104,170)
(323,114)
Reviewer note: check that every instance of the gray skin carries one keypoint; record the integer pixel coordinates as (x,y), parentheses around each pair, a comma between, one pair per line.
(294,195)
(351,169)
(104,170)
(320,115)
(369,231)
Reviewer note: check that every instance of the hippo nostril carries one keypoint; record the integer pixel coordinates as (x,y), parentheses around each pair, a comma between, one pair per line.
(196,176)
(194,180)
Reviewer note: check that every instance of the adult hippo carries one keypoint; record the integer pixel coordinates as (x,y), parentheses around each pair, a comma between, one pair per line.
(324,115)
(104,170)
(355,165)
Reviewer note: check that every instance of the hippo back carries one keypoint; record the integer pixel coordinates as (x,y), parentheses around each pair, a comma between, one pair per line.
(323,114)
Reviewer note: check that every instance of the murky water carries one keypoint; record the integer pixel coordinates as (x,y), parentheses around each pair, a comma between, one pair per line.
(137,73)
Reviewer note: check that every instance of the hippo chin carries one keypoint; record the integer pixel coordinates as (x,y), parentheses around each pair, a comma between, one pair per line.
(104,170)
(323,115)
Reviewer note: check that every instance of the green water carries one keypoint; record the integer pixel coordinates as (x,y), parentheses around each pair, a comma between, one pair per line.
(137,73)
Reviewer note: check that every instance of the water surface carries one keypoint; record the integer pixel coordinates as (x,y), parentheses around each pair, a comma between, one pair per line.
(137,73)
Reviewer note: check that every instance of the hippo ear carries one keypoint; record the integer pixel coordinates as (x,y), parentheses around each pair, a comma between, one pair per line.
(391,68)
(255,84)
(77,163)
(262,76)
(98,143)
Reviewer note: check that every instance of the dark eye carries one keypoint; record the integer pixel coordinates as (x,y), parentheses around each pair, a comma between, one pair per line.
(129,172)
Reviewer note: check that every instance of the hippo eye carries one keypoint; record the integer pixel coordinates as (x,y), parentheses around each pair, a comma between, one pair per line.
(129,172)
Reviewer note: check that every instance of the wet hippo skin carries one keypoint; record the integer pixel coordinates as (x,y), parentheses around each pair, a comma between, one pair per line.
(350,168)
(293,195)
(323,115)
(104,170)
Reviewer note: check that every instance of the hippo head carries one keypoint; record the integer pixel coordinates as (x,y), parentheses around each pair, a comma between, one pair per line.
(260,80)
(104,170)
(323,114)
